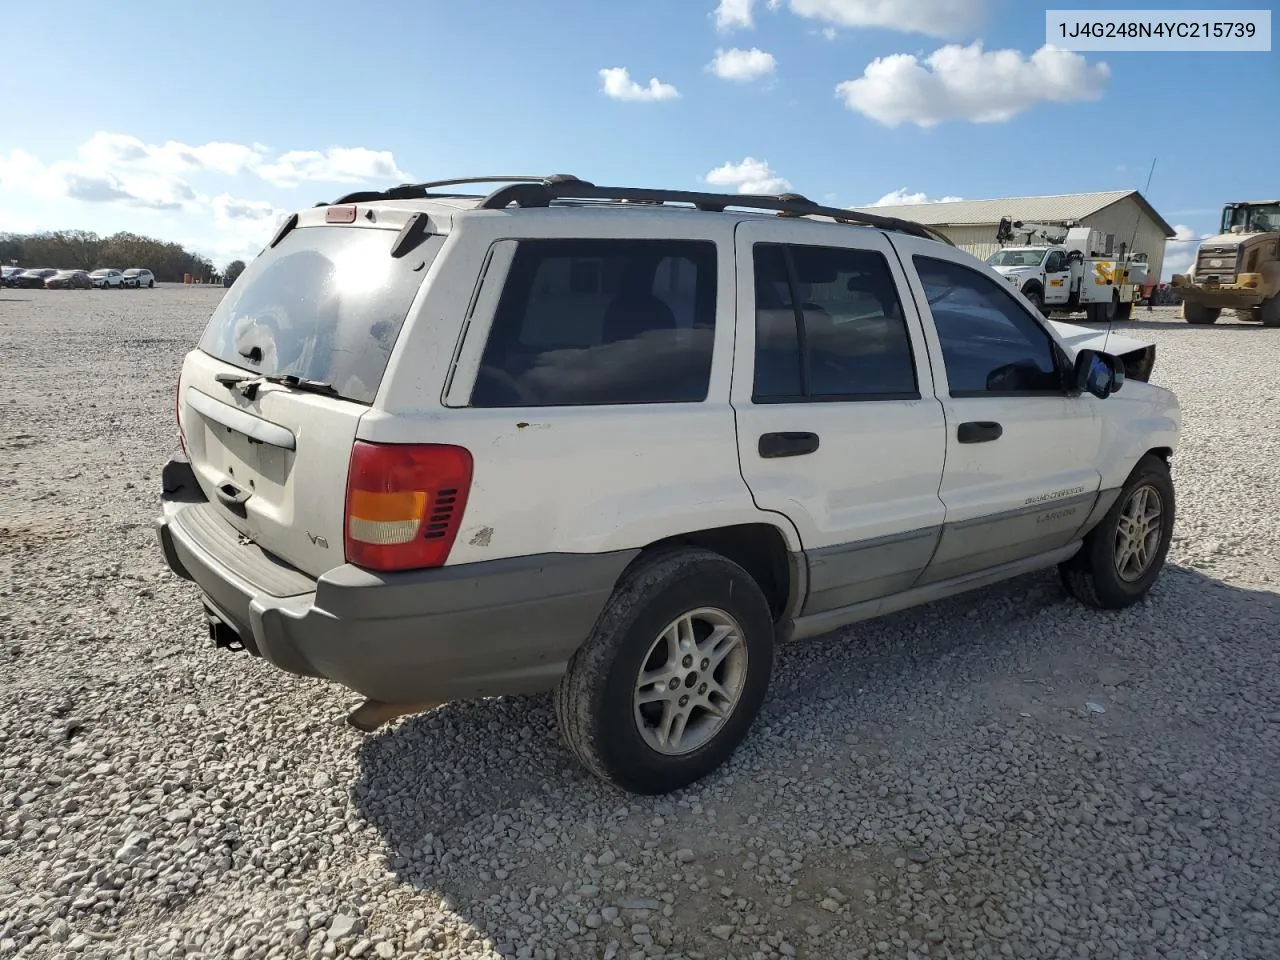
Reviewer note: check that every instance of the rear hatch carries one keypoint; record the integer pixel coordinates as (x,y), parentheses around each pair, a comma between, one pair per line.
(323,307)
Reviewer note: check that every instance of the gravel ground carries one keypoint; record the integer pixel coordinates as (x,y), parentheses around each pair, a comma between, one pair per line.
(937,787)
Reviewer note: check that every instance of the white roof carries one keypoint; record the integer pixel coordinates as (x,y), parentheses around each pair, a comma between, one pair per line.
(1048,209)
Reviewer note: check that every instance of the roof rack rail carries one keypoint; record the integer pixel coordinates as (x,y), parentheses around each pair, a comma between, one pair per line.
(541,193)
(419,191)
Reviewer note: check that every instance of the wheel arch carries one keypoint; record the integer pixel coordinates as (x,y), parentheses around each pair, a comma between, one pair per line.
(759,548)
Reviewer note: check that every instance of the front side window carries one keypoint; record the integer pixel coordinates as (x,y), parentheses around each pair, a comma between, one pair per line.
(829,325)
(990,344)
(1260,218)
(585,322)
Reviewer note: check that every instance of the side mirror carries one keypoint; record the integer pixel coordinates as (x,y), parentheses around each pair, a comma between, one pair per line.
(1097,373)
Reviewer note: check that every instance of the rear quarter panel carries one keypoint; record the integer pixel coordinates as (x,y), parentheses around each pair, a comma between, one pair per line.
(581,479)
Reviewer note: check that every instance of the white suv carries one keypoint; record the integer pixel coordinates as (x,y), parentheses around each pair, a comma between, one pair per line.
(618,443)
(138,277)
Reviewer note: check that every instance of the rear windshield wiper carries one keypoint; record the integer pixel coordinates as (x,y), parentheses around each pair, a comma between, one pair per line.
(248,383)
(308,386)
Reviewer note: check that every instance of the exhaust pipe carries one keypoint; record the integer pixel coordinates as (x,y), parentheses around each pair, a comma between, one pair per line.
(372,714)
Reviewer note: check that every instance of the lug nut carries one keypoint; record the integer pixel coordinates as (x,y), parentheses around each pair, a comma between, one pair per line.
(705,664)
(675,682)
(702,689)
(687,661)
(684,701)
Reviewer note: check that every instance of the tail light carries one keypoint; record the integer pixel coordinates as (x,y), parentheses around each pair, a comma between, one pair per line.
(177,415)
(404,504)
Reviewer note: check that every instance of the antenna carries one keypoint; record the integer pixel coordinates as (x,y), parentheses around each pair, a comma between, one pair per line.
(1128,251)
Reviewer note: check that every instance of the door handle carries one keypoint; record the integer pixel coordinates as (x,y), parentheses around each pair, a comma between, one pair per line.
(233,498)
(774,445)
(979,431)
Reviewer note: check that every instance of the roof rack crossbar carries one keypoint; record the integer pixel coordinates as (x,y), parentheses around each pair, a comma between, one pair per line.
(420,191)
(541,194)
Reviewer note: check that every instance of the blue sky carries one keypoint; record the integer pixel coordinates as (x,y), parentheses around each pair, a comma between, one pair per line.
(206,129)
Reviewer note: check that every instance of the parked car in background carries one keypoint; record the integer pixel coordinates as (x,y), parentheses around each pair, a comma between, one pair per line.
(139,277)
(107,279)
(69,280)
(32,278)
(7,274)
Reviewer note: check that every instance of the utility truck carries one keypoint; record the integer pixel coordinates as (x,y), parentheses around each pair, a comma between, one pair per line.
(1239,269)
(1065,268)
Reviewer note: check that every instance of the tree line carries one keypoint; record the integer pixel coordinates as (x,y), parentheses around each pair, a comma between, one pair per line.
(85,250)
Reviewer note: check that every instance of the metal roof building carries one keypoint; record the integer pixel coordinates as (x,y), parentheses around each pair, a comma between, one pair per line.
(1124,216)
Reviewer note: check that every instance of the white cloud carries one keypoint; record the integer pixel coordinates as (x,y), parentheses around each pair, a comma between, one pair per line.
(243,227)
(117,150)
(1180,251)
(89,180)
(1176,263)
(738,14)
(116,168)
(118,182)
(743,65)
(616,82)
(335,165)
(948,19)
(229,209)
(734,15)
(749,176)
(967,83)
(9,223)
(903,196)
(153,191)
(21,171)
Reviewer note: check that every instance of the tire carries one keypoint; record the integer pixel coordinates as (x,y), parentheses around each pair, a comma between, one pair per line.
(1106,312)
(596,701)
(1094,575)
(1269,313)
(1036,297)
(1124,311)
(1197,313)
(151,284)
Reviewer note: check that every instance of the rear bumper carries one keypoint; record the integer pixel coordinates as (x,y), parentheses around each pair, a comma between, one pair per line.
(481,629)
(1248,290)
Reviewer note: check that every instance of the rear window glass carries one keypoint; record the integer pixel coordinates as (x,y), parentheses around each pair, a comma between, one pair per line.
(326,303)
(584,322)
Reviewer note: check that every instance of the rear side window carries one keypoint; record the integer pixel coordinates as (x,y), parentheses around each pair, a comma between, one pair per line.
(327,303)
(584,322)
(829,326)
